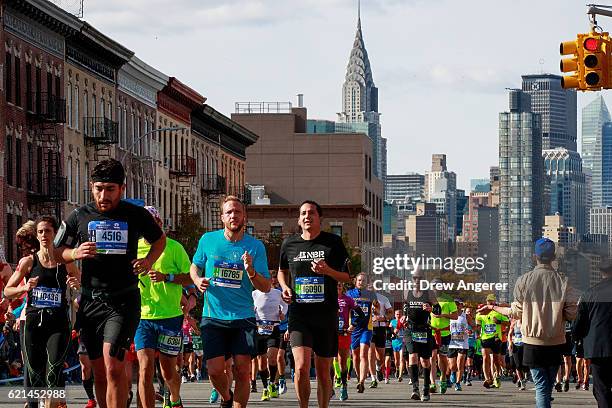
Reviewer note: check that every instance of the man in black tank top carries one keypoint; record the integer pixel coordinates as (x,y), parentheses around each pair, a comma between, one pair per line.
(105,234)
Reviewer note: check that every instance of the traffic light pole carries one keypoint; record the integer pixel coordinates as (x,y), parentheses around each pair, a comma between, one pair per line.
(598,10)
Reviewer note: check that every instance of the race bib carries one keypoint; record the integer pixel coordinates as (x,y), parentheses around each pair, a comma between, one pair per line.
(228,274)
(265,327)
(169,344)
(518,339)
(111,237)
(457,337)
(186,339)
(309,289)
(365,307)
(197,343)
(43,297)
(490,328)
(419,337)
(340,323)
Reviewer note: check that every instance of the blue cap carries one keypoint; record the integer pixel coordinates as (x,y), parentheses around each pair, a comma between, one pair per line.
(545,249)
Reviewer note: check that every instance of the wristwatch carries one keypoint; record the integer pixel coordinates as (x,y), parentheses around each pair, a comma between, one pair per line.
(170,277)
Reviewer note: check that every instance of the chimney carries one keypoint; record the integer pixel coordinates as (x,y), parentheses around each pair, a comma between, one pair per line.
(300,100)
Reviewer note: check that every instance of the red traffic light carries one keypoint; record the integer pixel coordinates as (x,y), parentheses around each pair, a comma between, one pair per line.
(591,44)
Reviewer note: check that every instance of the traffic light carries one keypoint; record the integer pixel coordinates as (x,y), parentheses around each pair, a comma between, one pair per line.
(589,64)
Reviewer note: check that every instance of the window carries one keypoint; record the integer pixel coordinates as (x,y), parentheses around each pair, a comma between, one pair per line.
(102,108)
(276,230)
(69,177)
(76,107)
(69,102)
(58,86)
(77,181)
(38,89)
(8,85)
(28,86)
(29,180)
(9,239)
(18,163)
(17,81)
(9,160)
(39,170)
(50,85)
(250,229)
(85,111)
(337,229)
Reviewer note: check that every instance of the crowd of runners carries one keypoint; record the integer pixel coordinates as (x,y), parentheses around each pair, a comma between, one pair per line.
(138,291)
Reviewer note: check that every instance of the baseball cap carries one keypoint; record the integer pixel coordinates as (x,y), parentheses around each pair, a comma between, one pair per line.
(491,298)
(153,211)
(545,249)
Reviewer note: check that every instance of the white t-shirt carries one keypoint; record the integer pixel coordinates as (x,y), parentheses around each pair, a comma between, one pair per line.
(459,335)
(384,306)
(269,305)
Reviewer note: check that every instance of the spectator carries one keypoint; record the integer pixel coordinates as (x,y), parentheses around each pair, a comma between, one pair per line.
(543,300)
(594,326)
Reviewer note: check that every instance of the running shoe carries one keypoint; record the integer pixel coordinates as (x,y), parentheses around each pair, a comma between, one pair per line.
(432,388)
(166,400)
(566,385)
(178,404)
(425,396)
(253,387)
(282,386)
(343,393)
(338,382)
(214,396)
(514,378)
(192,378)
(265,396)
(558,387)
(386,381)
(401,378)
(373,384)
(468,383)
(360,388)
(443,386)
(585,386)
(496,382)
(487,383)
(379,375)
(578,384)
(184,379)
(274,391)
(415,394)
(91,403)
(458,386)
(518,383)
(523,385)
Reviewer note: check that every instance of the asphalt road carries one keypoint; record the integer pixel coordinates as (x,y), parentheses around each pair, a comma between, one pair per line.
(195,395)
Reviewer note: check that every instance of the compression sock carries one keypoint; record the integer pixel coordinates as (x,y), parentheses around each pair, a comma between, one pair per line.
(88,385)
(426,375)
(264,377)
(414,375)
(336,368)
(273,369)
(343,377)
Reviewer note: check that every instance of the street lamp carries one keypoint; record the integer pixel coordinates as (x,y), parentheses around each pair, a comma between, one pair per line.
(137,140)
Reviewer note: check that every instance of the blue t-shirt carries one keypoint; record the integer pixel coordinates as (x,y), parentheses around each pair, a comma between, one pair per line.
(363,298)
(229,295)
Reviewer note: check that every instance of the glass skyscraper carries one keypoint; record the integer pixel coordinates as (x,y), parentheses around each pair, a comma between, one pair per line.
(521,188)
(606,165)
(594,116)
(557,109)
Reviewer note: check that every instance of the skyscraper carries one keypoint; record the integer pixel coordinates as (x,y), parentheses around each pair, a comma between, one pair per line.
(594,116)
(441,189)
(521,185)
(557,109)
(404,187)
(606,165)
(360,101)
(563,169)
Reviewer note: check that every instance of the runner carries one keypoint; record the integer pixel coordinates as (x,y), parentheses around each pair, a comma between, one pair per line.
(311,264)
(108,230)
(279,381)
(515,346)
(470,362)
(380,322)
(270,309)
(442,313)
(419,339)
(398,330)
(47,332)
(234,264)
(565,369)
(583,367)
(458,346)
(389,355)
(488,322)
(361,333)
(346,304)
(161,317)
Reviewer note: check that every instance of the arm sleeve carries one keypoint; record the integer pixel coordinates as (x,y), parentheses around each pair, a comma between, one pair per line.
(149,228)
(199,259)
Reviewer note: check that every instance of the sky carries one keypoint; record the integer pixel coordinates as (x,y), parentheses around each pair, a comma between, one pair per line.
(441,66)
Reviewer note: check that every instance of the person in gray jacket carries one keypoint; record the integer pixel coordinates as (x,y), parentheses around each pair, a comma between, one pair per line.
(593,326)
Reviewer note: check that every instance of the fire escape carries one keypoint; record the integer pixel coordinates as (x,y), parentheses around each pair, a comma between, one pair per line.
(100,133)
(183,170)
(47,187)
(213,187)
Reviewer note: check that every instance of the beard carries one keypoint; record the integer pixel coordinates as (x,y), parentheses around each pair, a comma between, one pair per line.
(235,228)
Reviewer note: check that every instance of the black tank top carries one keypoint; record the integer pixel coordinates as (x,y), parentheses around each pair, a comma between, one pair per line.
(50,291)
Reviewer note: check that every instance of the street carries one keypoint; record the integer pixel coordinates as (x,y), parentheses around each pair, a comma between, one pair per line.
(195,395)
